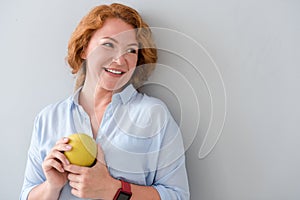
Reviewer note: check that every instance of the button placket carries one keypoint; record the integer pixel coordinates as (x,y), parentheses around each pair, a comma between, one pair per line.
(86,124)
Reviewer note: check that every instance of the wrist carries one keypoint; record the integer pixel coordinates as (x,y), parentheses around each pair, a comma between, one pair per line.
(115,185)
(52,189)
(123,193)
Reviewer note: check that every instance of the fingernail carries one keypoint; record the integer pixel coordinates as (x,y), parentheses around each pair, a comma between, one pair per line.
(65,139)
(68,147)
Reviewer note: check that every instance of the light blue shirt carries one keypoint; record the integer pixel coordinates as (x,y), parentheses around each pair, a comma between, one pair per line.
(140,139)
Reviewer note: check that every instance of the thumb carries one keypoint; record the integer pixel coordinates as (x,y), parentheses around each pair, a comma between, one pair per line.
(100,155)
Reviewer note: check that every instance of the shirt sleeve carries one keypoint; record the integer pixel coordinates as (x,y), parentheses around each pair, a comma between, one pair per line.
(34,174)
(171,180)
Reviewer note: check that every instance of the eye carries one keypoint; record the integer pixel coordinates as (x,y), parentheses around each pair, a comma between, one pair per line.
(132,50)
(108,44)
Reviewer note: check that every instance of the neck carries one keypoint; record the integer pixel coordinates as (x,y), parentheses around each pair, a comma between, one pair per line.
(92,99)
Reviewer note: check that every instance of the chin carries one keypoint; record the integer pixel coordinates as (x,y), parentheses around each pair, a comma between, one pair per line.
(112,86)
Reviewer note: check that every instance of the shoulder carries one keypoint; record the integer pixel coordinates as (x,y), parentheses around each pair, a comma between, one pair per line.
(143,101)
(54,109)
(151,105)
(48,121)
(145,110)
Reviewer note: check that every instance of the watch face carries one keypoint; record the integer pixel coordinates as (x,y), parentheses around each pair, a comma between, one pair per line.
(123,196)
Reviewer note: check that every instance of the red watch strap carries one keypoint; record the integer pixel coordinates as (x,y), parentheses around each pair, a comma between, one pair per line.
(124,190)
(126,186)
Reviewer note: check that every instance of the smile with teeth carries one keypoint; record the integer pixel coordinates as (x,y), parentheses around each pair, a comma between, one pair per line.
(113,71)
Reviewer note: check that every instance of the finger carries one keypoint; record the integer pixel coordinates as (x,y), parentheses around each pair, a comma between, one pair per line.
(57,151)
(75,192)
(75,169)
(62,147)
(74,177)
(75,189)
(63,140)
(59,156)
(74,185)
(52,163)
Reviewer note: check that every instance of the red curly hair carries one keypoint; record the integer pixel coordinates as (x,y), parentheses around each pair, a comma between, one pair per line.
(147,54)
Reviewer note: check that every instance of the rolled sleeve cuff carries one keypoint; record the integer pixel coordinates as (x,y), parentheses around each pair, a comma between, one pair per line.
(25,192)
(168,193)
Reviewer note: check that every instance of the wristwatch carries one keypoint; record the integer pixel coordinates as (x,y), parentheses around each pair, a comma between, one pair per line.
(123,193)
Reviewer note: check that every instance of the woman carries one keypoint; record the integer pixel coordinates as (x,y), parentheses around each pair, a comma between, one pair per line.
(112,53)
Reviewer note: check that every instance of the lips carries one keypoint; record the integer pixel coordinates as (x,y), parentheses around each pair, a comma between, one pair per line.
(114,71)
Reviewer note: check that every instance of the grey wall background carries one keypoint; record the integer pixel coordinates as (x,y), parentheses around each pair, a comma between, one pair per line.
(255,45)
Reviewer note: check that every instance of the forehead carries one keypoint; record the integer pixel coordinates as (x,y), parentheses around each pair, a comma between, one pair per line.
(115,28)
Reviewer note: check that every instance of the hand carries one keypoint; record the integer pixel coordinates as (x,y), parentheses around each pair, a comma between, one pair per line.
(53,165)
(92,182)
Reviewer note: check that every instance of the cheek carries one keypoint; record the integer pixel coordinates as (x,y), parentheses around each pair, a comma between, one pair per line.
(99,57)
(132,61)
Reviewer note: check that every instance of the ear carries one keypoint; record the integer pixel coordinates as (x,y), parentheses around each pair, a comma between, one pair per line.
(83,53)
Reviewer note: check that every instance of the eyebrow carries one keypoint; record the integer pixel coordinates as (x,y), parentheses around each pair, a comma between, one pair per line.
(116,41)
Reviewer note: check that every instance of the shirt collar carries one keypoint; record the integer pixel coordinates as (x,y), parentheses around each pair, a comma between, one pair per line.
(125,95)
(75,97)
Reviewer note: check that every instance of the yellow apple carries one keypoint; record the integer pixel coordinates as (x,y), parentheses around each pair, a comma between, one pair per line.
(84,150)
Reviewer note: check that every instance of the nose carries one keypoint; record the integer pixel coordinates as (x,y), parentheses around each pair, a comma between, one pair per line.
(120,60)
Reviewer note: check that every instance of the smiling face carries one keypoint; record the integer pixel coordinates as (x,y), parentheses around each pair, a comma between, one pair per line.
(111,55)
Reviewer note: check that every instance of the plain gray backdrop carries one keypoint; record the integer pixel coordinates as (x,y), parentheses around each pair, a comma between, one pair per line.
(255,48)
